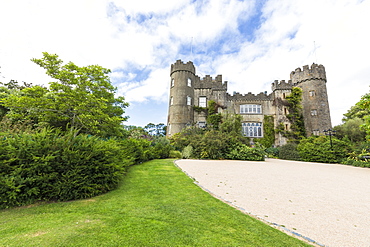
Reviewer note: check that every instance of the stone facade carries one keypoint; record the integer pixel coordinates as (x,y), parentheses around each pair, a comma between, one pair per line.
(188,90)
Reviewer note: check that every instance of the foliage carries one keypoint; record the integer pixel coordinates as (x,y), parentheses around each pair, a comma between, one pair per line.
(289,152)
(174,154)
(318,149)
(81,97)
(187,153)
(156,129)
(272,152)
(295,116)
(213,118)
(364,104)
(351,129)
(356,111)
(156,205)
(361,159)
(51,165)
(199,109)
(244,152)
(231,124)
(268,138)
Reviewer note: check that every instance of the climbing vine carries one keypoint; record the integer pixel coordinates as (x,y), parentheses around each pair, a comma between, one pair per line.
(214,118)
(268,132)
(295,116)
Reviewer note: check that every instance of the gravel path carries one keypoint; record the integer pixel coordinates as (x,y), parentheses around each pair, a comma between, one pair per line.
(327,203)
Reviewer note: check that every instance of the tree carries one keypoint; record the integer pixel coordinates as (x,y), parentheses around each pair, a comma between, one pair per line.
(81,97)
(351,129)
(364,104)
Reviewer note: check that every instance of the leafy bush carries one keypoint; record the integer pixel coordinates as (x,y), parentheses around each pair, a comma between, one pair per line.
(187,153)
(272,152)
(175,154)
(361,159)
(243,152)
(50,165)
(318,149)
(289,152)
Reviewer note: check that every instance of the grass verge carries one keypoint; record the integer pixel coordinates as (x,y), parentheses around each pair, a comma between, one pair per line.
(156,205)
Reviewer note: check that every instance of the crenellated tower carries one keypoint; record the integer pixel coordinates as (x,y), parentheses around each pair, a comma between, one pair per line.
(316,113)
(180,111)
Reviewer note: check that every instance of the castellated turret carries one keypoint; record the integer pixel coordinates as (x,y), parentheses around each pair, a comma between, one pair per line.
(189,97)
(180,112)
(315,103)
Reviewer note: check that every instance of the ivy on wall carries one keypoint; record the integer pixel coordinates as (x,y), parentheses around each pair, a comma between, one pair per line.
(214,118)
(268,138)
(295,116)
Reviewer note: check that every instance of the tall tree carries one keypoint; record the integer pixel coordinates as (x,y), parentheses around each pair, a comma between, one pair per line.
(81,97)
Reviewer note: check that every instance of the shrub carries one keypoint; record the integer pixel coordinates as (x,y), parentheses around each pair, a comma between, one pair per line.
(318,149)
(50,165)
(175,154)
(187,153)
(272,152)
(243,152)
(289,152)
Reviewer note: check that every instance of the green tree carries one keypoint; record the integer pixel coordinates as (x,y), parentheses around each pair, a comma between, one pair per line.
(81,97)
(364,104)
(351,129)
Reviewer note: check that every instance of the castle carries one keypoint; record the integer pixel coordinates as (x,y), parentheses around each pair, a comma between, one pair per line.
(188,90)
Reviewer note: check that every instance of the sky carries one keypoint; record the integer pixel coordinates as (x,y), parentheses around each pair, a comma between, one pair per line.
(251,43)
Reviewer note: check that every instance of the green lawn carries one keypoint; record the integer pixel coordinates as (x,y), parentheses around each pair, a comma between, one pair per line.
(156,205)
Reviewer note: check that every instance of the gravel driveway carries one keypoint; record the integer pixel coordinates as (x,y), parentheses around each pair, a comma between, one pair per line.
(327,203)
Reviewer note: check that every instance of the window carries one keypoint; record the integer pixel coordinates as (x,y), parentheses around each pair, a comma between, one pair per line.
(171,100)
(252,129)
(313,112)
(316,132)
(202,101)
(284,96)
(172,82)
(250,109)
(188,100)
(201,124)
(285,111)
(189,82)
(312,93)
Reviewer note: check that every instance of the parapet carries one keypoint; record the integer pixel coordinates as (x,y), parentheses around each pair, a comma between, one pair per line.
(282,85)
(315,72)
(249,97)
(210,83)
(181,66)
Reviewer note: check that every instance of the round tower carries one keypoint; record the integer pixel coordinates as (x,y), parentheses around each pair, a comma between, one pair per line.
(315,103)
(180,110)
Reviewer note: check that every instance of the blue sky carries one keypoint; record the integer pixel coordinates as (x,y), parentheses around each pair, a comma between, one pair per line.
(251,43)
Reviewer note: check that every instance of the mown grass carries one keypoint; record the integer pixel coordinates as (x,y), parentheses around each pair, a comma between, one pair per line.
(156,205)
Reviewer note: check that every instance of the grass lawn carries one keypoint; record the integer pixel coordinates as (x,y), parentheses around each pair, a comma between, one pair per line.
(156,205)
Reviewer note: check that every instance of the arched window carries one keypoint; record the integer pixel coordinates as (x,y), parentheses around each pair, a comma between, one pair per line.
(252,129)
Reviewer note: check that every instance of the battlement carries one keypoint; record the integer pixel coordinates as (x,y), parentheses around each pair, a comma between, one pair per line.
(282,85)
(209,82)
(249,97)
(181,66)
(315,72)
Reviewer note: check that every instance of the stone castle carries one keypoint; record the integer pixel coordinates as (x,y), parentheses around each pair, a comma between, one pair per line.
(188,90)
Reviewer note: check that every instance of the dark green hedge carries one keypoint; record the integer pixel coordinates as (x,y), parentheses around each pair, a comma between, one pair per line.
(50,165)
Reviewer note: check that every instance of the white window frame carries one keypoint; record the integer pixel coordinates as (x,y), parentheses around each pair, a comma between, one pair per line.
(252,129)
(188,100)
(189,82)
(202,124)
(313,112)
(312,93)
(250,109)
(202,101)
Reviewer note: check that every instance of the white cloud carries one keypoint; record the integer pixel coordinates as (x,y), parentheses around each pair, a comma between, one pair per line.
(220,36)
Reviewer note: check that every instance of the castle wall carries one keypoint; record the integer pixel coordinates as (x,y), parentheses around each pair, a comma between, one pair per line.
(312,81)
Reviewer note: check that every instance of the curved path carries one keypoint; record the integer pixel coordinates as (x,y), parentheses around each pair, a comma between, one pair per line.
(327,203)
